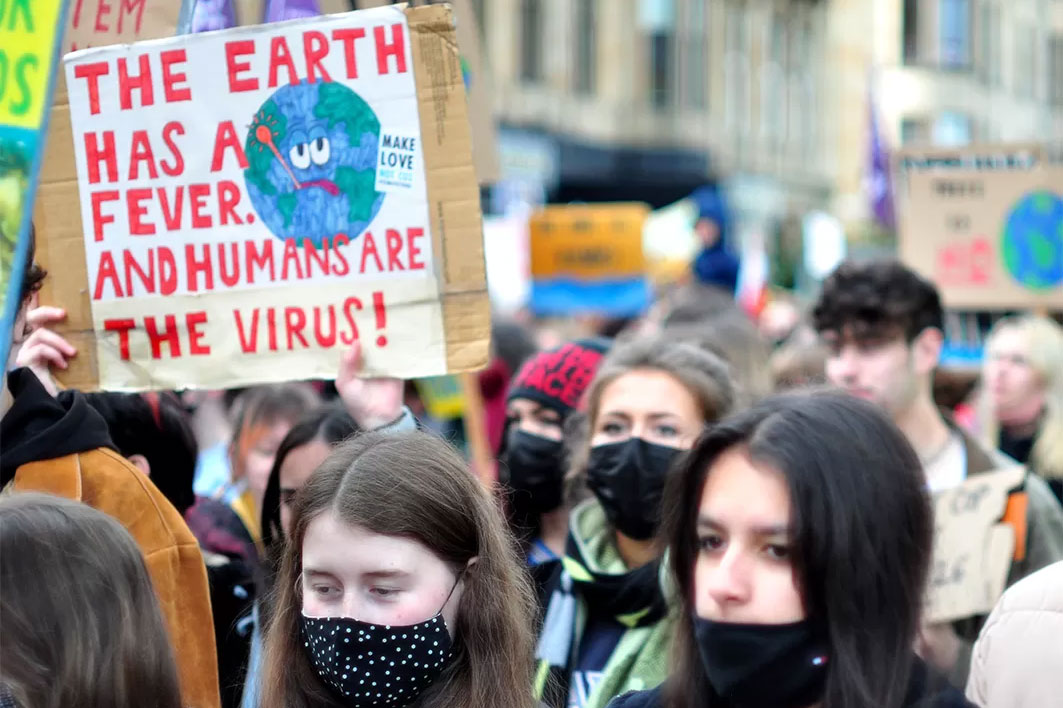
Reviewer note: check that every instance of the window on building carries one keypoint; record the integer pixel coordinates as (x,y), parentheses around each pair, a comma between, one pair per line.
(799,119)
(810,90)
(1024,76)
(696,70)
(1055,70)
(912,52)
(479,8)
(996,68)
(736,68)
(954,24)
(657,22)
(952,129)
(915,131)
(531,40)
(586,45)
(773,81)
(985,29)
(661,68)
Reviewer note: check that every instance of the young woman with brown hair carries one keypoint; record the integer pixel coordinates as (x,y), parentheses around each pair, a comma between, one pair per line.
(398,587)
(81,624)
(799,535)
(606,628)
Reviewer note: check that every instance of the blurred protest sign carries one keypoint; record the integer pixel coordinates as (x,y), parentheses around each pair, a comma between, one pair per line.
(442,396)
(989,238)
(506,253)
(589,259)
(982,157)
(669,242)
(973,547)
(246,225)
(99,23)
(823,242)
(30,35)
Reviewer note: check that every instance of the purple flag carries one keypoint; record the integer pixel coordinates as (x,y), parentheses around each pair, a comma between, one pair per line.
(879,182)
(213,15)
(280,10)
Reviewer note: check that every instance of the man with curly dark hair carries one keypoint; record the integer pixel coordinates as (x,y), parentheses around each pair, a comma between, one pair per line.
(883,326)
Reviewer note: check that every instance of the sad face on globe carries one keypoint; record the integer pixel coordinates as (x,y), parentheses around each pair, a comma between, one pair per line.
(312,152)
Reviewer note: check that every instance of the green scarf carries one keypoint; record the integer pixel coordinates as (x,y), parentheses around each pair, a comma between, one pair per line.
(594,575)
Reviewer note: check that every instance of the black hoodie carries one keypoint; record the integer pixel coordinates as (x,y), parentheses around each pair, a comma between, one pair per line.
(39,427)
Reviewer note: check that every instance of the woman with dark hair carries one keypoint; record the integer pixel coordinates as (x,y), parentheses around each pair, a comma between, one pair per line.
(398,586)
(303,449)
(800,538)
(81,624)
(301,452)
(607,627)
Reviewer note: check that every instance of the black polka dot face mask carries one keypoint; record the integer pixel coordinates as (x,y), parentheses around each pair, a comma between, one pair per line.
(374,664)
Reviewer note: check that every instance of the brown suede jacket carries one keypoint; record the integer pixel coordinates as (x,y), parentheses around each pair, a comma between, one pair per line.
(108,482)
(62,447)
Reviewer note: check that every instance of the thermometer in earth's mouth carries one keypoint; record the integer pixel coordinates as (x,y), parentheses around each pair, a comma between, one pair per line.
(266,138)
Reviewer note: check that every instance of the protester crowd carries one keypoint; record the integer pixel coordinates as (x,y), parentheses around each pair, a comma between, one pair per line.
(694,507)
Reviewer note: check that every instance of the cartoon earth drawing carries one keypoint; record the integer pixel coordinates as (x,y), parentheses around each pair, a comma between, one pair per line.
(1032,241)
(312,153)
(466,72)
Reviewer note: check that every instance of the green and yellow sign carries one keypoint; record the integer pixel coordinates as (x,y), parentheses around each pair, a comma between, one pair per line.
(30,31)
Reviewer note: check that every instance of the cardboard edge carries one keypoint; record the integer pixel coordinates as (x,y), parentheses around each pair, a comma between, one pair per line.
(457,227)
(61,252)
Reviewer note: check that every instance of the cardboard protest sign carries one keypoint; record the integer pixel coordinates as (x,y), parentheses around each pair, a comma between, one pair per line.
(990,239)
(972,547)
(254,201)
(99,23)
(30,34)
(477,86)
(589,259)
(984,156)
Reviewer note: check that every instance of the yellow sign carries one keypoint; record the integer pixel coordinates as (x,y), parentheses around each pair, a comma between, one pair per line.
(588,242)
(27,38)
(442,397)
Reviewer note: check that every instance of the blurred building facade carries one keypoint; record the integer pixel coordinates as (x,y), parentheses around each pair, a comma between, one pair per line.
(647,99)
(940,72)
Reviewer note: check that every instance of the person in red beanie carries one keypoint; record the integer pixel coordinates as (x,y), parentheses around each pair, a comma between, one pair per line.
(545,392)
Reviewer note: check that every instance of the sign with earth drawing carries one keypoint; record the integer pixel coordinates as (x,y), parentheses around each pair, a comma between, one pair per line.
(261,198)
(990,239)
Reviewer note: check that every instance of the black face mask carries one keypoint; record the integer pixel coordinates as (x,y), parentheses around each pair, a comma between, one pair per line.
(535,471)
(373,664)
(764,665)
(628,479)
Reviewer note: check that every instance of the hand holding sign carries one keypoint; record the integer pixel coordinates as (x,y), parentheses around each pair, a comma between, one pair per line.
(44,349)
(373,403)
